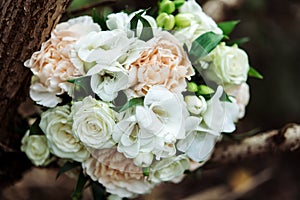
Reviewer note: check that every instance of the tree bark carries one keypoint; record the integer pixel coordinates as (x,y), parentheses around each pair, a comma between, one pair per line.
(24,25)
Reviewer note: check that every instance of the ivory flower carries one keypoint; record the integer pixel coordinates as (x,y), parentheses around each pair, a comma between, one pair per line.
(199,23)
(117,173)
(57,126)
(228,65)
(241,94)
(51,65)
(93,123)
(163,63)
(36,148)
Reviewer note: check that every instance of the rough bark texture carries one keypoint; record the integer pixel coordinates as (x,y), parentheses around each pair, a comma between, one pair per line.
(24,25)
(275,141)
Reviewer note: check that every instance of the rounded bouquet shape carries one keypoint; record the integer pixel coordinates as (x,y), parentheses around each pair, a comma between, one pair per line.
(139,101)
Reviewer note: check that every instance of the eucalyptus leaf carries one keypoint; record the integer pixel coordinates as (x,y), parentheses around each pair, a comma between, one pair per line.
(82,179)
(227,27)
(132,102)
(204,44)
(66,167)
(254,73)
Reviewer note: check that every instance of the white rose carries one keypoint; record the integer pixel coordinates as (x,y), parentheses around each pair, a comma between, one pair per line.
(169,168)
(57,126)
(93,123)
(196,105)
(199,23)
(36,149)
(228,65)
(241,94)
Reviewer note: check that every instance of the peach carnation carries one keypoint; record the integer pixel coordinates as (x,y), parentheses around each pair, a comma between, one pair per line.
(164,63)
(117,173)
(51,65)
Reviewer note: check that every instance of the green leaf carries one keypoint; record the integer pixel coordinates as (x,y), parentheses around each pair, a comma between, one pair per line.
(82,87)
(146,171)
(82,179)
(253,73)
(132,102)
(35,128)
(147,32)
(66,167)
(227,27)
(98,191)
(203,45)
(99,20)
(238,41)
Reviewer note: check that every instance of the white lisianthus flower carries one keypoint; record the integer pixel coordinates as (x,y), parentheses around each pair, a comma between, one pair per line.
(200,140)
(169,169)
(195,105)
(57,126)
(36,149)
(121,21)
(199,23)
(93,123)
(220,115)
(241,94)
(107,81)
(228,65)
(153,128)
(52,67)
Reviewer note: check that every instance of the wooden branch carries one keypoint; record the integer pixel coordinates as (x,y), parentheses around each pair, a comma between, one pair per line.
(283,140)
(91,6)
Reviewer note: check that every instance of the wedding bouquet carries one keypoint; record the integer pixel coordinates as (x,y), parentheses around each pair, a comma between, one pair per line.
(138,100)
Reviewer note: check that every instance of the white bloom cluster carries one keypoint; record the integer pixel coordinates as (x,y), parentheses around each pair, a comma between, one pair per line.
(132,121)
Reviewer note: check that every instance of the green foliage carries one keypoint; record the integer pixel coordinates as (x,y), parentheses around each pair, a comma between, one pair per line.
(35,128)
(132,102)
(238,41)
(66,167)
(81,181)
(98,191)
(99,20)
(253,73)
(203,45)
(147,32)
(227,27)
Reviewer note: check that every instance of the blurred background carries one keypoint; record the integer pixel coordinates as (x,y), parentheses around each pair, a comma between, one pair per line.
(273,27)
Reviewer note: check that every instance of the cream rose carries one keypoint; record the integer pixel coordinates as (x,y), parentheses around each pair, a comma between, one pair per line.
(169,169)
(93,123)
(199,23)
(241,94)
(228,65)
(36,148)
(51,65)
(164,63)
(57,126)
(117,173)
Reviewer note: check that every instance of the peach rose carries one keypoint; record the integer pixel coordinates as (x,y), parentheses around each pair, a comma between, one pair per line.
(117,173)
(51,65)
(164,63)
(242,96)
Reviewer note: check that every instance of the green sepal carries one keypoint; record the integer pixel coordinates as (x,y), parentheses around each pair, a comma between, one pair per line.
(227,27)
(254,73)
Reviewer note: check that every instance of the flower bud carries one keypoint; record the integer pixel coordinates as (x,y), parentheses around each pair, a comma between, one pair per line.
(204,90)
(165,21)
(143,159)
(183,20)
(192,87)
(167,6)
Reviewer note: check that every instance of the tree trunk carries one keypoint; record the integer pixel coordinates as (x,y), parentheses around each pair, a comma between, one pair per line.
(24,25)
